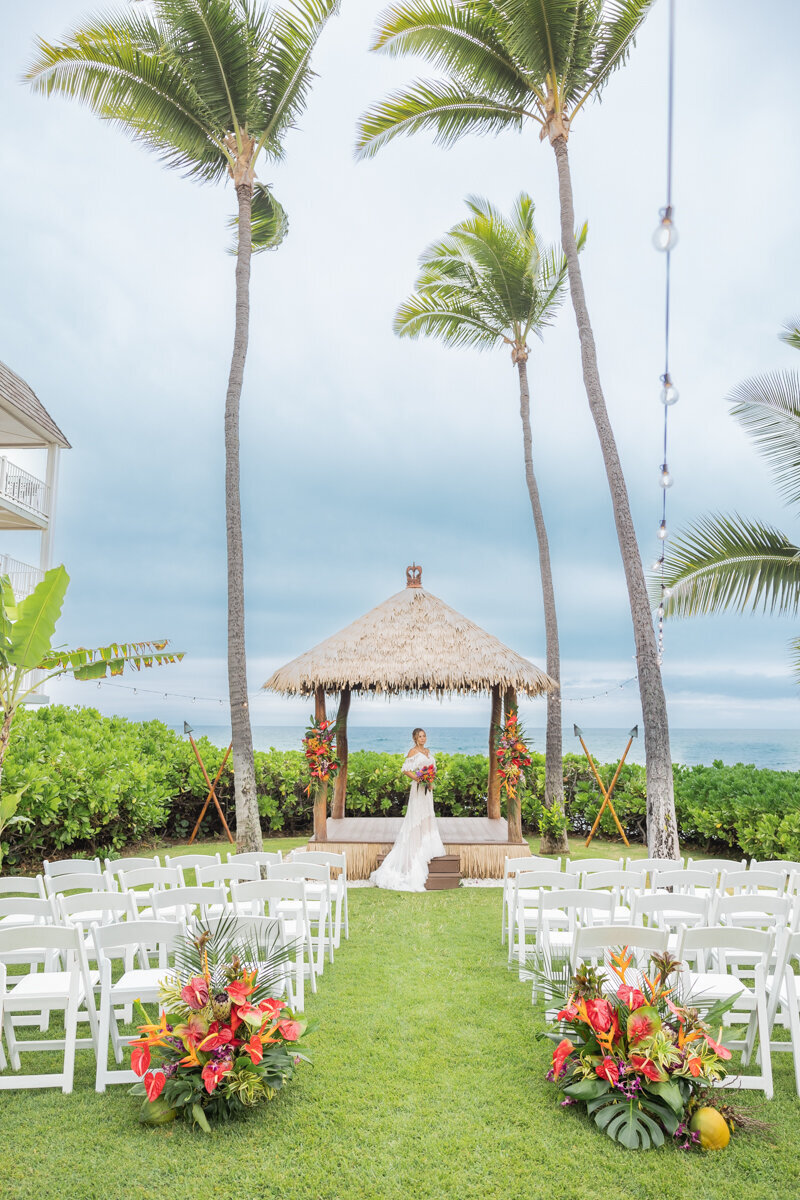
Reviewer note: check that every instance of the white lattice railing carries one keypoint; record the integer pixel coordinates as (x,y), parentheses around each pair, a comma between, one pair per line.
(24,578)
(23,489)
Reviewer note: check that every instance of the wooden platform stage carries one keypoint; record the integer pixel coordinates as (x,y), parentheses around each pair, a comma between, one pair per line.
(481,843)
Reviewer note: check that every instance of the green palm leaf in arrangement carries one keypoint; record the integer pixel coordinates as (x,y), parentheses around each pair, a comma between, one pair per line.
(729,562)
(210,86)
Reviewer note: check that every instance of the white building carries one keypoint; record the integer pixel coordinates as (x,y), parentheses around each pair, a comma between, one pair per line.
(27,501)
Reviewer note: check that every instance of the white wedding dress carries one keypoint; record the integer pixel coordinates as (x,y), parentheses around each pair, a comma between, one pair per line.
(405,868)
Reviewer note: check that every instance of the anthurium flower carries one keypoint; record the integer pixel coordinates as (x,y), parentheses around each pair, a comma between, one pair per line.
(607,1069)
(192,1031)
(218,1035)
(643,1023)
(568,1014)
(599,1013)
(154,1084)
(214,1071)
(561,1054)
(239,990)
(140,1057)
(254,1048)
(273,1007)
(646,1067)
(720,1050)
(631,997)
(695,1065)
(290,1030)
(195,993)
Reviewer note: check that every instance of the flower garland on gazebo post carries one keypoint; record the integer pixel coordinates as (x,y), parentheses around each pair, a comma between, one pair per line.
(510,764)
(320,751)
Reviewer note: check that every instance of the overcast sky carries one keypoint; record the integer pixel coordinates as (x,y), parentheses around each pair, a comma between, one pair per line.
(361,452)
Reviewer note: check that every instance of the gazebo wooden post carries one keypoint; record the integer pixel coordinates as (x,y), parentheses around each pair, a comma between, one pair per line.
(513,811)
(321,797)
(340,786)
(493,792)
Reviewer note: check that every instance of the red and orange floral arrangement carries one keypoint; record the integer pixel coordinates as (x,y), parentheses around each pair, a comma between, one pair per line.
(320,750)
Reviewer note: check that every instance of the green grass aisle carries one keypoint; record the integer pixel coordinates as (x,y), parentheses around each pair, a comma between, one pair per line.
(427,1085)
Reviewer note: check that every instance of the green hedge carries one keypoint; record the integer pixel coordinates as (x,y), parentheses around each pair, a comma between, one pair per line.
(98,784)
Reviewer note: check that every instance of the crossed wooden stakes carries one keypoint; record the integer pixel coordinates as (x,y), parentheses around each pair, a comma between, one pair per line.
(212,795)
(607,794)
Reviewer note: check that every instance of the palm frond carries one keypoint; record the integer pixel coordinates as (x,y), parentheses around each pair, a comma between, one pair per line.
(768,409)
(616,35)
(555,40)
(222,945)
(121,70)
(270,224)
(209,38)
(794,646)
(728,562)
(791,333)
(457,39)
(439,313)
(448,108)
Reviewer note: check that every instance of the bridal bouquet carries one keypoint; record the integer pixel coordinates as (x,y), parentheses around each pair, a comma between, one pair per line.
(221,1044)
(639,1059)
(426,776)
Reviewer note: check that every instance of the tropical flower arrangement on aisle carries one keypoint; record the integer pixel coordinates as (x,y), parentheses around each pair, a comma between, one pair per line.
(320,750)
(640,1060)
(426,776)
(513,755)
(222,1044)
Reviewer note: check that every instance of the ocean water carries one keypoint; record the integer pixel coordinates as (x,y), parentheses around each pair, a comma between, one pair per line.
(778,749)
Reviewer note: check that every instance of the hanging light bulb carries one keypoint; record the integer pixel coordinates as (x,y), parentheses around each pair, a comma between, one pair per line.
(662,530)
(665,237)
(659,562)
(666,480)
(666,592)
(660,611)
(669,393)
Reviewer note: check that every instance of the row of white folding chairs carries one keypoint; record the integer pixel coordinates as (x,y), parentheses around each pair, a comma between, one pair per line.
(726,963)
(553,906)
(71,985)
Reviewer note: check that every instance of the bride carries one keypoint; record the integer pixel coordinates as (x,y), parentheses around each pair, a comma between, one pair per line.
(405,868)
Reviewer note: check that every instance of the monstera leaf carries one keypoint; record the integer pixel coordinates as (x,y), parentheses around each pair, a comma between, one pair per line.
(637,1124)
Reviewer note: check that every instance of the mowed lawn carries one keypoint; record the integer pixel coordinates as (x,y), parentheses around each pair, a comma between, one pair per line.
(427,1084)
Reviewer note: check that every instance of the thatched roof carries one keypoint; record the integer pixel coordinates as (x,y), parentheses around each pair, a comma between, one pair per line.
(413,642)
(24,421)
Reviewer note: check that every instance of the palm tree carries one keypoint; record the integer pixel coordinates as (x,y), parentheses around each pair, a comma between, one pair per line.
(513,64)
(210,86)
(730,562)
(490,282)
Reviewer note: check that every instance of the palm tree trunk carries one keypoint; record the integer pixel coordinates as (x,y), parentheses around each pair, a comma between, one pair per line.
(248,826)
(551,843)
(662,830)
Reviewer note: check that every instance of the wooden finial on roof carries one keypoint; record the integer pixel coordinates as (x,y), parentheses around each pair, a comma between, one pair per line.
(414,576)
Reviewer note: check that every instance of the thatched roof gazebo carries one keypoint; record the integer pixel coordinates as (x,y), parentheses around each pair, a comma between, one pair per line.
(413,643)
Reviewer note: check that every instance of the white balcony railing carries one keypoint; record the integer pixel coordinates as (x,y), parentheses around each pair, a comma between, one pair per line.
(24,578)
(23,489)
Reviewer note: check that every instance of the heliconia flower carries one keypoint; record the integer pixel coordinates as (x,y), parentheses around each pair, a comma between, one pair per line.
(195,993)
(631,997)
(212,1073)
(646,1067)
(239,990)
(140,1058)
(608,1069)
(154,1084)
(561,1054)
(600,1014)
(254,1048)
(289,1030)
(676,1012)
(719,1050)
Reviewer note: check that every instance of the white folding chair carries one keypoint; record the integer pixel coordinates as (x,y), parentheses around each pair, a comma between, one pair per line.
(261,858)
(783,867)
(582,908)
(761,911)
(71,866)
(670,914)
(784,1000)
(624,885)
(115,866)
(284,898)
(510,871)
(143,881)
(266,936)
(222,875)
(27,911)
(317,880)
(190,862)
(648,865)
(21,886)
(524,891)
(118,941)
(592,942)
(753,882)
(337,863)
(188,904)
(50,989)
(87,881)
(716,865)
(683,881)
(747,953)
(587,866)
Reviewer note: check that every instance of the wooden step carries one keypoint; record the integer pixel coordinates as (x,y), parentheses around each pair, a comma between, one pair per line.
(447,864)
(443,872)
(441,881)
